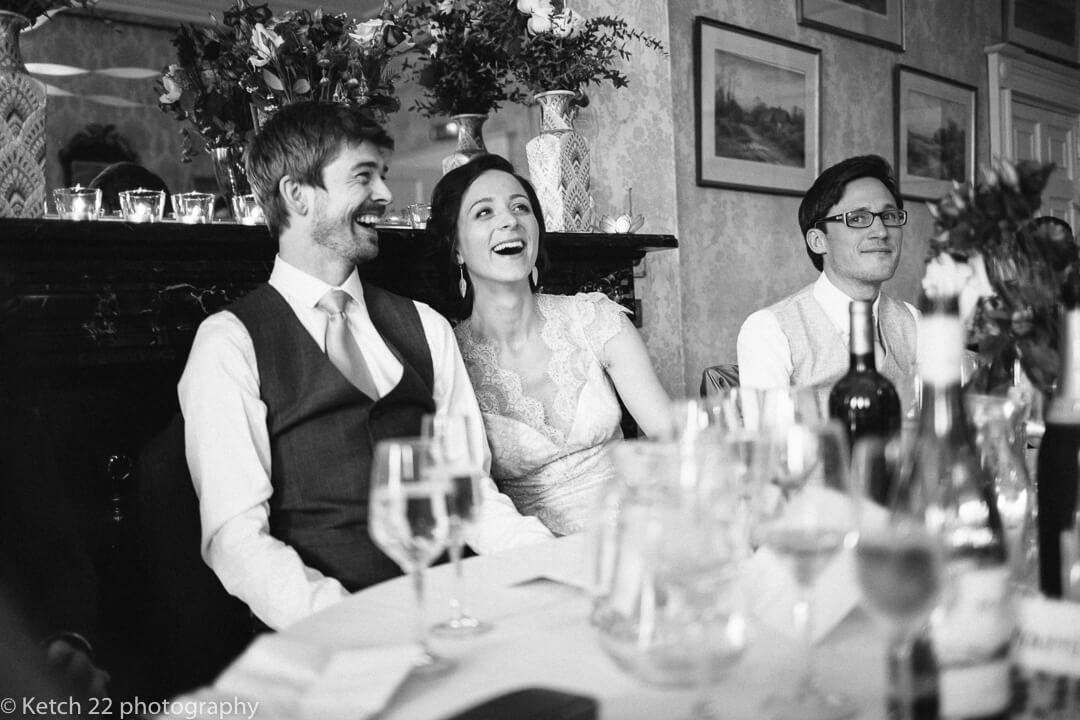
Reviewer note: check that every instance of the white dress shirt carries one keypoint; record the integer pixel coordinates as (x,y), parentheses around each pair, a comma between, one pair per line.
(764,355)
(228,448)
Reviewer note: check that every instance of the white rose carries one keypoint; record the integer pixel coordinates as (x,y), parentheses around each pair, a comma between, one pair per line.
(535,7)
(173,91)
(968,280)
(539,23)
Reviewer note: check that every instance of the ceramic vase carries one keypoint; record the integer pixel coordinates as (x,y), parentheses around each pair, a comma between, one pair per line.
(470,140)
(559,165)
(22,128)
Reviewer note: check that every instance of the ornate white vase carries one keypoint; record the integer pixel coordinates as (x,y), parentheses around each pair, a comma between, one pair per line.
(470,140)
(22,128)
(559,165)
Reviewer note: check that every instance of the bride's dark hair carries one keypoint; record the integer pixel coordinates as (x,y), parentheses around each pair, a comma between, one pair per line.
(446,201)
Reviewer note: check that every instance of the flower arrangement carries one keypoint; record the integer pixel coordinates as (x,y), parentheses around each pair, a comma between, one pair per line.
(465,69)
(1008,268)
(33,10)
(485,52)
(253,60)
(561,50)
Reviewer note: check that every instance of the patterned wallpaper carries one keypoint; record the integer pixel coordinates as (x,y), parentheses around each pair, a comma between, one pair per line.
(739,250)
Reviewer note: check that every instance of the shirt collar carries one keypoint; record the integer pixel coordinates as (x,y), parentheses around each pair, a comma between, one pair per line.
(307,289)
(836,304)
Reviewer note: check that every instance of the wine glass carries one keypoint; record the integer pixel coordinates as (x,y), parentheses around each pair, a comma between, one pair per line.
(804,514)
(898,560)
(458,447)
(409,518)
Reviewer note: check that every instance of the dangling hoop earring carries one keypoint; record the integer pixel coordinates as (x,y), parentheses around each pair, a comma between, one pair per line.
(535,275)
(462,286)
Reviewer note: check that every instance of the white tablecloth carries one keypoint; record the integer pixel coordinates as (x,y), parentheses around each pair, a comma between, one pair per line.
(542,637)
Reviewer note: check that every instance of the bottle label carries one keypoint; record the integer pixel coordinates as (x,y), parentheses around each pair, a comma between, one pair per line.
(977,619)
(940,348)
(975,691)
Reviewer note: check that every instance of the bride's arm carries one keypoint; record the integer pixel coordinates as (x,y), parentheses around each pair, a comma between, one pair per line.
(629,367)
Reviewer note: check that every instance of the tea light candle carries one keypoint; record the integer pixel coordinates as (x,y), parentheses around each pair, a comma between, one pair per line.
(193,216)
(140,212)
(80,209)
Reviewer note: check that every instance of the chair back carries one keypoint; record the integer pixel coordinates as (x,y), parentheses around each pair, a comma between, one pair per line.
(718,377)
(194,628)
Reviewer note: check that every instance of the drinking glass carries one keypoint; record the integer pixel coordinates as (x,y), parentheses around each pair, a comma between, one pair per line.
(409,518)
(804,514)
(459,455)
(898,560)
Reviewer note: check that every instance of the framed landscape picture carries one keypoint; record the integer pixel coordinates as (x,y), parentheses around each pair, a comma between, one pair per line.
(1049,27)
(756,109)
(935,133)
(876,21)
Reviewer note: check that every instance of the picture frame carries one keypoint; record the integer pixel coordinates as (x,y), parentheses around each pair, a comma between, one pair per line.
(1046,27)
(880,22)
(935,133)
(757,114)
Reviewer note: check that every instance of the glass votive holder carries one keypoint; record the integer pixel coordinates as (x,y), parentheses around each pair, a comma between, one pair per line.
(142,206)
(246,210)
(77,203)
(419,214)
(194,208)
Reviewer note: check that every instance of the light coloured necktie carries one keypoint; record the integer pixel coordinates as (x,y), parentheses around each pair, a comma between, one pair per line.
(341,346)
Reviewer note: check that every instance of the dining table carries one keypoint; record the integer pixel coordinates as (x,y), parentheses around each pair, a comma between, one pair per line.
(537,601)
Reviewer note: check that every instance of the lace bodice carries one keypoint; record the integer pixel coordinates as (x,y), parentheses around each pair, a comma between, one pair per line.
(548,437)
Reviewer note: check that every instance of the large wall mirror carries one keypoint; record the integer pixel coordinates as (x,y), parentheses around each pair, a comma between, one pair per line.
(101,67)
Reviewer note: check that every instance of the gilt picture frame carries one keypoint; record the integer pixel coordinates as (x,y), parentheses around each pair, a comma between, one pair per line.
(935,133)
(1047,27)
(880,22)
(757,110)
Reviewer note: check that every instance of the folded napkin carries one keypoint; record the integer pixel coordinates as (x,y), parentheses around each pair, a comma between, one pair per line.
(295,680)
(767,578)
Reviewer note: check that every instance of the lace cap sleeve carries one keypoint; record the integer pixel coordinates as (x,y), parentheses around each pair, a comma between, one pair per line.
(601,319)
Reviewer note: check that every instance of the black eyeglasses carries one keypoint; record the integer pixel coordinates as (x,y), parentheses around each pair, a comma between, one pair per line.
(865,218)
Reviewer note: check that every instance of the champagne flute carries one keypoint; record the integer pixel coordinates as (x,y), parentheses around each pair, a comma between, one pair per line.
(898,561)
(409,519)
(458,447)
(806,523)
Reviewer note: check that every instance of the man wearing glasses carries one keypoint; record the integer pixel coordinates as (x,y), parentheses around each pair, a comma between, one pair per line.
(852,220)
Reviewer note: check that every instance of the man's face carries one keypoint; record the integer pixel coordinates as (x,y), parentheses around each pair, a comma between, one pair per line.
(859,259)
(353,201)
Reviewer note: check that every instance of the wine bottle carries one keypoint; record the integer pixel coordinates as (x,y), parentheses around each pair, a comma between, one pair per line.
(1056,477)
(972,628)
(864,401)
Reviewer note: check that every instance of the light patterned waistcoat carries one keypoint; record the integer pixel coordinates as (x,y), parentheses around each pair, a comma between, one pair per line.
(820,355)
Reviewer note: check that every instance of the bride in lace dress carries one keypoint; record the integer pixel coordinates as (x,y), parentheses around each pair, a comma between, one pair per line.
(546,368)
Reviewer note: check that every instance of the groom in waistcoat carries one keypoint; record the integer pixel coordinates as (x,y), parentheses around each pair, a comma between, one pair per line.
(286,392)
(852,224)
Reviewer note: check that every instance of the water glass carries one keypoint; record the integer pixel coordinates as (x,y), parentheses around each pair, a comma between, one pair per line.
(409,519)
(419,214)
(142,205)
(666,548)
(194,208)
(77,203)
(246,210)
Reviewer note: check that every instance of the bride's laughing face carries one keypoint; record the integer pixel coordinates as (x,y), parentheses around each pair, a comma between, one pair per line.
(497,231)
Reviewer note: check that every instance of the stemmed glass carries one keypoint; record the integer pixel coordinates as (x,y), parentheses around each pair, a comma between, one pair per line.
(458,447)
(409,518)
(804,514)
(898,560)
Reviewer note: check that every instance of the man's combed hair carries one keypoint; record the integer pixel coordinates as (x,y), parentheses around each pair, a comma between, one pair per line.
(299,141)
(830,186)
